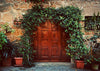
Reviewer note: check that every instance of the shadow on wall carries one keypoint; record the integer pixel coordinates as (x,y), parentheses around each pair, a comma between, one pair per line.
(2,1)
(3,5)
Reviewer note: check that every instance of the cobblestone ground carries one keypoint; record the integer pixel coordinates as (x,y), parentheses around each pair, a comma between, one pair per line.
(45,66)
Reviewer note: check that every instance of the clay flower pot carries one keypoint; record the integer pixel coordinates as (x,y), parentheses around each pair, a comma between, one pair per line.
(6,62)
(79,64)
(18,61)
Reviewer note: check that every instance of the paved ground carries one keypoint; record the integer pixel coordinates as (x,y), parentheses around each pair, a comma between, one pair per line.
(47,66)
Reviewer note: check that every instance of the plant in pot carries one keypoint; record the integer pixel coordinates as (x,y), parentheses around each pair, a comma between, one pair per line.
(17,54)
(95,55)
(27,50)
(18,60)
(7,53)
(78,54)
(77,50)
(93,60)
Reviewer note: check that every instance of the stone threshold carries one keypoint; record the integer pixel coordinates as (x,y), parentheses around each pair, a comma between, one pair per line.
(52,63)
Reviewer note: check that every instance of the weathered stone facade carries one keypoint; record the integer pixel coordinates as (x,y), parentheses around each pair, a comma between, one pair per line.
(10,9)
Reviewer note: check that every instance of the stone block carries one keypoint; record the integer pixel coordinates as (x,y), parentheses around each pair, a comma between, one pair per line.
(5,8)
(2,22)
(89,33)
(82,23)
(0,16)
(19,0)
(7,17)
(54,6)
(9,1)
(23,5)
(98,40)
(46,5)
(30,5)
(83,31)
(2,1)
(15,5)
(23,0)
(58,3)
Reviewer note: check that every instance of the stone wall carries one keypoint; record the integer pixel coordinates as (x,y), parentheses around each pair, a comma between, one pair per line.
(11,9)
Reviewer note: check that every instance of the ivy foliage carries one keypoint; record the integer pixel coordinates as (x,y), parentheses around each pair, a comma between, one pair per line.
(67,17)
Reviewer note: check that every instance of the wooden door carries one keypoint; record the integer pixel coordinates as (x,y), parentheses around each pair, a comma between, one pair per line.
(49,43)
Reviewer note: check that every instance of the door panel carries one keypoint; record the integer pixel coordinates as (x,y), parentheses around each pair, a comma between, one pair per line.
(44,34)
(44,43)
(54,35)
(50,43)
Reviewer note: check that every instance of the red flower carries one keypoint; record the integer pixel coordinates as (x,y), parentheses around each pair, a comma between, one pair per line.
(25,0)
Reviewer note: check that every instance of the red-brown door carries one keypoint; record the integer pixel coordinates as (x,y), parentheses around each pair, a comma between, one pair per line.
(50,43)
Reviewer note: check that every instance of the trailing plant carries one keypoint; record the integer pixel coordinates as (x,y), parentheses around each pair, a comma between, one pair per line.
(92,22)
(2,42)
(11,49)
(78,53)
(7,49)
(27,51)
(67,17)
(6,28)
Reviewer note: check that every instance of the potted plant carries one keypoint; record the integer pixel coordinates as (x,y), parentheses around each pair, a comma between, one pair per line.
(18,61)
(78,54)
(7,53)
(17,54)
(22,53)
(95,63)
(95,55)
(94,58)
(27,51)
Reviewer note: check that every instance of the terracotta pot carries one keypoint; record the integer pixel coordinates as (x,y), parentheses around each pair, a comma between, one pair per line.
(79,64)
(6,62)
(18,61)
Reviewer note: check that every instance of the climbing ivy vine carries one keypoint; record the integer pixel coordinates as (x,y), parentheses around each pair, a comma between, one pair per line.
(67,17)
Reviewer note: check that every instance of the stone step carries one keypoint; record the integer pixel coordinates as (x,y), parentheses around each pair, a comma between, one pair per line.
(52,64)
